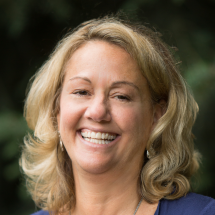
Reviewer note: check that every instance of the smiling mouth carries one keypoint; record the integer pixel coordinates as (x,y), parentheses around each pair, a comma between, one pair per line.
(98,137)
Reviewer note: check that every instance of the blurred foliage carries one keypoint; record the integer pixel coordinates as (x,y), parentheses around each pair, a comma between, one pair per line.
(31,28)
(12,129)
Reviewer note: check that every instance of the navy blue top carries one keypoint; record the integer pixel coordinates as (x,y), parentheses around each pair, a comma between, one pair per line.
(191,204)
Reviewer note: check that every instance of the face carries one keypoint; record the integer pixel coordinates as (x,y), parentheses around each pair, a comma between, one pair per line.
(106,114)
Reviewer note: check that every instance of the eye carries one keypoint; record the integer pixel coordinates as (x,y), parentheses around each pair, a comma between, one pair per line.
(122,98)
(81,93)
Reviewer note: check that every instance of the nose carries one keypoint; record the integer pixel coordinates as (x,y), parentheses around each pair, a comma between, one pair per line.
(98,110)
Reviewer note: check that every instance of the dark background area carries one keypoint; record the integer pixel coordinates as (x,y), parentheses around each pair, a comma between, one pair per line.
(29,31)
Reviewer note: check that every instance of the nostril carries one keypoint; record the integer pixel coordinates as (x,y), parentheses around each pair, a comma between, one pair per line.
(98,111)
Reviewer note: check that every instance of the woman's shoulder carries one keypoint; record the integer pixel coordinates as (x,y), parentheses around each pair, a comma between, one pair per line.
(191,204)
(41,213)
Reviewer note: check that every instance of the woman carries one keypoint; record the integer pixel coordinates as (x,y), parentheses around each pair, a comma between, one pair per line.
(112,120)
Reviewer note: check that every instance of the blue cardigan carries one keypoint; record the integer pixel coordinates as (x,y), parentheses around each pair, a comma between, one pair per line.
(191,204)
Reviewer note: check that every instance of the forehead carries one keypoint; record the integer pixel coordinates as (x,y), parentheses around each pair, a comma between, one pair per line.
(104,59)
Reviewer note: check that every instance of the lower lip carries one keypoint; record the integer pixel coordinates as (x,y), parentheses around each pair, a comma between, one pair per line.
(96,145)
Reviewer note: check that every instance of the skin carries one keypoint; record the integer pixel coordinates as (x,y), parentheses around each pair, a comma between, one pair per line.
(104,91)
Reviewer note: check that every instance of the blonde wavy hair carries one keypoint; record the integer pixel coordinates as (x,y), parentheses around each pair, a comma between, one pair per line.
(173,160)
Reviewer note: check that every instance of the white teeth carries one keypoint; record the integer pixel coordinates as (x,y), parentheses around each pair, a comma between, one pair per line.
(98,137)
(93,135)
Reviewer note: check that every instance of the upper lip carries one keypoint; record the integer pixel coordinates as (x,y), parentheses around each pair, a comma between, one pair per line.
(99,130)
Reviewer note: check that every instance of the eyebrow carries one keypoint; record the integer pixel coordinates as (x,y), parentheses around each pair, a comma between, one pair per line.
(79,77)
(125,83)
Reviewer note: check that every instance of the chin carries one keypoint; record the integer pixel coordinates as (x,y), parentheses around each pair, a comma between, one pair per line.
(96,165)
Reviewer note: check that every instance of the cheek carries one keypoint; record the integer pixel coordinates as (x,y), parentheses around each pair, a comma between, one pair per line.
(129,117)
(70,114)
(136,121)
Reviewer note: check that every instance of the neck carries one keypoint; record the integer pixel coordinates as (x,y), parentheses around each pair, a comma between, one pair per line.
(114,192)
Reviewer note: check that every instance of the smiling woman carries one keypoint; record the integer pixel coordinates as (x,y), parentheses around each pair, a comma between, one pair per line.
(112,120)
(105,93)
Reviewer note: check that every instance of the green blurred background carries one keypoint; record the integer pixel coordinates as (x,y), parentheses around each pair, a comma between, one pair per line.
(31,28)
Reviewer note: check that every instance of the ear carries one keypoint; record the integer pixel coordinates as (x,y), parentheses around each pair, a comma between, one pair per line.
(58,121)
(159,109)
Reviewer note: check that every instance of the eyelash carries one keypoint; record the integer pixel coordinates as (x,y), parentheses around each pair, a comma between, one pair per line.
(123,98)
(80,93)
